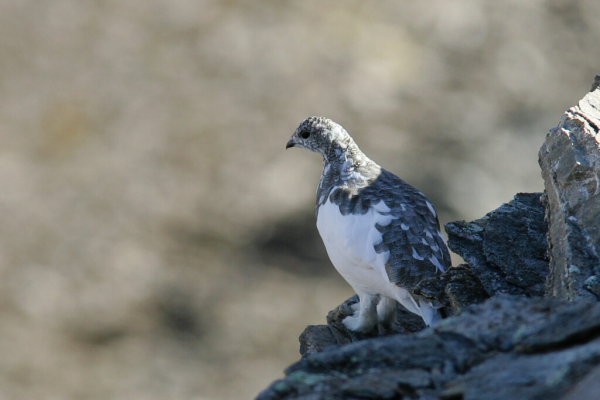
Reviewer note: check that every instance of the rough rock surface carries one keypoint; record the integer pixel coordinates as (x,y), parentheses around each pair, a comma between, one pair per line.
(456,288)
(570,162)
(317,338)
(506,249)
(510,347)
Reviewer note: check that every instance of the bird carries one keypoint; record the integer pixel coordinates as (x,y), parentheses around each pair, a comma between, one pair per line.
(381,234)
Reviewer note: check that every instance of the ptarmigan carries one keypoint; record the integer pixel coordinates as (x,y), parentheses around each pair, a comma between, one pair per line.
(381,234)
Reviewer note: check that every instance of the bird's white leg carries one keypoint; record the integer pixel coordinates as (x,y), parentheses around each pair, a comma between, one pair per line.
(366,316)
(386,310)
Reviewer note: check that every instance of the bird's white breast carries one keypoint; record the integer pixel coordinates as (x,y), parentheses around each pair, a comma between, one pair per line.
(350,239)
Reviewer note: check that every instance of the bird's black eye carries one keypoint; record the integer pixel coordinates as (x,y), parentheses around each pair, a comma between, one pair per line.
(305,134)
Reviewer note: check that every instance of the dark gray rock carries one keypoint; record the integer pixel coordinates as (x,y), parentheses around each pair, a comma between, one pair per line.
(570,162)
(588,388)
(500,349)
(494,324)
(514,376)
(456,288)
(317,338)
(506,249)
(568,324)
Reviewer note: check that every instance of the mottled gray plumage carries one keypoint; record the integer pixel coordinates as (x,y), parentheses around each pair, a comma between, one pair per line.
(415,229)
(356,184)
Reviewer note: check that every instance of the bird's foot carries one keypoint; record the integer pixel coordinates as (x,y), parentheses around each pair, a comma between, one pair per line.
(358,322)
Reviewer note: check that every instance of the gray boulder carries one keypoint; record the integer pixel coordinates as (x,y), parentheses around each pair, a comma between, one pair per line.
(510,347)
(570,162)
(506,249)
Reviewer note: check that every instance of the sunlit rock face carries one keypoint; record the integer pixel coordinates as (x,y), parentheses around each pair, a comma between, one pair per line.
(570,161)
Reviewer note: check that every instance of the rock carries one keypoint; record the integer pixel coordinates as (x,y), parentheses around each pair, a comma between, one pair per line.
(506,249)
(587,389)
(570,162)
(489,351)
(575,323)
(317,338)
(457,288)
(518,376)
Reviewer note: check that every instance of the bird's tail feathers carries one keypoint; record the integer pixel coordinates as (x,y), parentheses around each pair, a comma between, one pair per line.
(426,309)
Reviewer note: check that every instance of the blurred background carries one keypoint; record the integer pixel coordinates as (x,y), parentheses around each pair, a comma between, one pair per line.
(158,242)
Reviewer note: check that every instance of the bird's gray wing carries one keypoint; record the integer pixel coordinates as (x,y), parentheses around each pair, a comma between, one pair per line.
(413,238)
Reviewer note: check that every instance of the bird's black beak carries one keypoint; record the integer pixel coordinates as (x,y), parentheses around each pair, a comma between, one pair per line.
(289,144)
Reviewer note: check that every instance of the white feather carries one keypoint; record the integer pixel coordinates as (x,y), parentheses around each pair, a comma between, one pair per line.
(437,264)
(430,206)
(416,255)
(350,239)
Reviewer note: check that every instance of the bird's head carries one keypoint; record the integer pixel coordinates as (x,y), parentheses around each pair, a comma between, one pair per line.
(321,135)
